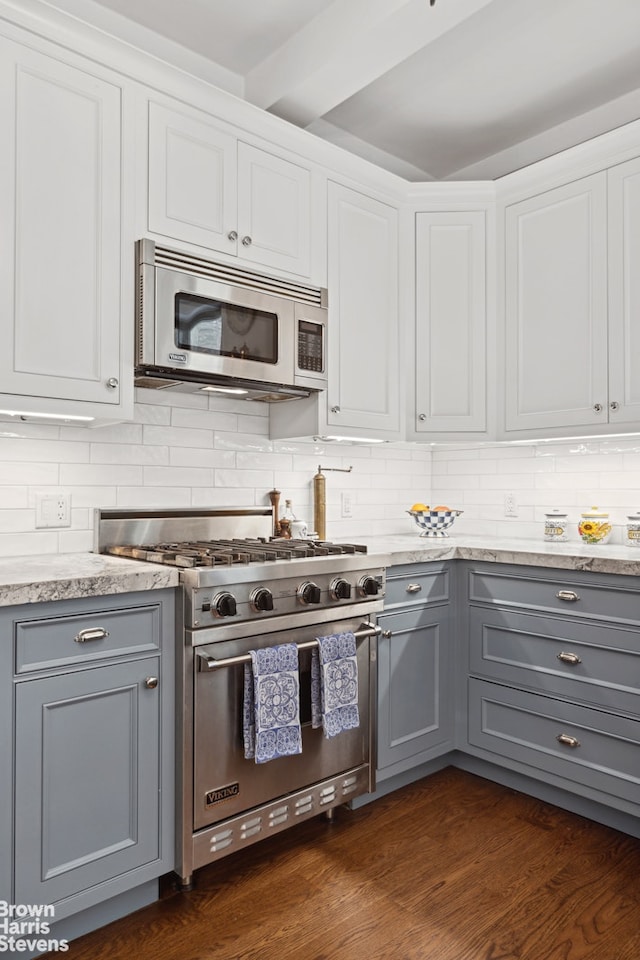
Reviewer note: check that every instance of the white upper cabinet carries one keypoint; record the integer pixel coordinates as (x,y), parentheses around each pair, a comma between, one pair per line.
(624,292)
(364,381)
(208,188)
(572,298)
(364,384)
(61,284)
(556,308)
(451,324)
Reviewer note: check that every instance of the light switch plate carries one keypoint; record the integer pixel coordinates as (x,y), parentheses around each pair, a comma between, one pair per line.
(346,502)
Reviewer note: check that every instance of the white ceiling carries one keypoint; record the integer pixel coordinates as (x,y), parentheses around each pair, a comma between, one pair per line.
(464,89)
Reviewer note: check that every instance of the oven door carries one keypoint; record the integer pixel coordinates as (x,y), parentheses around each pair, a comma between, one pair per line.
(225,783)
(207,326)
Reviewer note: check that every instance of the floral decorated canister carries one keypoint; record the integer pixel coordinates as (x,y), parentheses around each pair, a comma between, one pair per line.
(633,530)
(594,526)
(555,526)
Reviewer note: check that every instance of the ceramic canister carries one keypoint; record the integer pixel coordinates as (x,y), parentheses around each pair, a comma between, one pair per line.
(555,526)
(633,530)
(594,526)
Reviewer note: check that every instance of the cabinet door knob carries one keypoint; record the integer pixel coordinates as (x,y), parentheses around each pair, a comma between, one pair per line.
(414,587)
(570,658)
(614,405)
(569,595)
(232,235)
(335,409)
(246,241)
(568,741)
(91,633)
(387,633)
(597,407)
(113,382)
(422,417)
(151,683)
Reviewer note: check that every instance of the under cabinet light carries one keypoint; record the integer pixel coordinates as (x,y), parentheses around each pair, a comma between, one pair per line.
(32,415)
(352,439)
(234,390)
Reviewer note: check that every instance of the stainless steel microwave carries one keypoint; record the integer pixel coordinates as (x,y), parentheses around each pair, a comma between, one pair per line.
(202,325)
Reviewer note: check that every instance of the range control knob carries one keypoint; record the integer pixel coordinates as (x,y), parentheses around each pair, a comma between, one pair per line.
(262,599)
(309,592)
(340,589)
(224,605)
(368,587)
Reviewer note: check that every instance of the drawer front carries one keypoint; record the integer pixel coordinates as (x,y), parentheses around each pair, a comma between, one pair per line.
(80,638)
(560,656)
(417,585)
(562,594)
(596,749)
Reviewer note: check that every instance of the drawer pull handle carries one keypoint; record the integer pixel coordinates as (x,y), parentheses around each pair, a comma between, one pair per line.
(569,595)
(571,658)
(568,741)
(91,633)
(414,588)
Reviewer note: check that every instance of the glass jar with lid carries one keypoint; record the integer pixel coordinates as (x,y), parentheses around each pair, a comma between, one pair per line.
(594,526)
(555,526)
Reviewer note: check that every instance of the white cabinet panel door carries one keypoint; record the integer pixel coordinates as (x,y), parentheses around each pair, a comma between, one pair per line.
(274,215)
(192,180)
(450,357)
(624,292)
(556,307)
(363,313)
(60,226)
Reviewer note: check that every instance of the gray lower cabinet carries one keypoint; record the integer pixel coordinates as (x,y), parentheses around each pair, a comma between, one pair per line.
(554,678)
(415,709)
(93,695)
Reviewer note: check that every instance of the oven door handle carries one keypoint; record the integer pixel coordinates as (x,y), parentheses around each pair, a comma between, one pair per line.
(206,662)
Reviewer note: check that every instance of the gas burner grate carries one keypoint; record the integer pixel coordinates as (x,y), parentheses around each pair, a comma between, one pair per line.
(225,552)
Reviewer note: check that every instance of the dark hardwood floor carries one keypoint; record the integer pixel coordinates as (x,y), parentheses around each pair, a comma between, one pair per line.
(451,868)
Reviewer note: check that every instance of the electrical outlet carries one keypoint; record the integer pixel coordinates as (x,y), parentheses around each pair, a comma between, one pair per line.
(510,505)
(346,501)
(53,510)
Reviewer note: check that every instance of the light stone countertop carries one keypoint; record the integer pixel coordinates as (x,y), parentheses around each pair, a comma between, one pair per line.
(71,575)
(575,555)
(66,576)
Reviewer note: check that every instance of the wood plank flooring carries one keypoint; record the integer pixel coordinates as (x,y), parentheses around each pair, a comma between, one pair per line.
(451,868)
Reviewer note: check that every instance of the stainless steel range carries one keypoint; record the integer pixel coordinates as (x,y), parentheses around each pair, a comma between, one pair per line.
(243,591)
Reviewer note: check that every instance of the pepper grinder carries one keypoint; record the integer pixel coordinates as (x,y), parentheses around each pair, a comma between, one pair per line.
(274,496)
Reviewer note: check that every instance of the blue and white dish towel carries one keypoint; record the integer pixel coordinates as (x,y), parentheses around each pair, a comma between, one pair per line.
(271,710)
(334,684)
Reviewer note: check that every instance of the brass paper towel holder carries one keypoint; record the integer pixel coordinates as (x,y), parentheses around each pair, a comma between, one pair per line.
(320,499)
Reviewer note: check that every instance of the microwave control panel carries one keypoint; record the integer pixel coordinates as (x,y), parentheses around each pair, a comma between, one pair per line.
(310,346)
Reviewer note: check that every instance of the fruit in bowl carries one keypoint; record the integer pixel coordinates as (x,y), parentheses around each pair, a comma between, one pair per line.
(434,521)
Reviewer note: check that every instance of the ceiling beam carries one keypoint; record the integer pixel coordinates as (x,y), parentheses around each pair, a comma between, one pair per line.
(345,48)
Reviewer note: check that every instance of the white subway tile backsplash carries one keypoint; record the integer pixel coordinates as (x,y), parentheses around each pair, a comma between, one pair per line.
(190,450)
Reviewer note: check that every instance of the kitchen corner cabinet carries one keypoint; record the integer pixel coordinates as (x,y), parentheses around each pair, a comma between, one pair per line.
(63,295)
(94,702)
(451,324)
(415,663)
(554,678)
(571,295)
(208,188)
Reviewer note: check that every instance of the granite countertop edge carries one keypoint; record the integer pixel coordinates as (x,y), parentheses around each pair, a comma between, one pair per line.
(69,576)
(73,575)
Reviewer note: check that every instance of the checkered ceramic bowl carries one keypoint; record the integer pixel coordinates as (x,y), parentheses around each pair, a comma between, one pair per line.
(434,523)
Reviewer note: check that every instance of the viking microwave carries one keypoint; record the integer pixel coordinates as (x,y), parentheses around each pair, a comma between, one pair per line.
(202,325)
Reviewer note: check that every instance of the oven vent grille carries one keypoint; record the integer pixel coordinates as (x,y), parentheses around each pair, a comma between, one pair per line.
(227,273)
